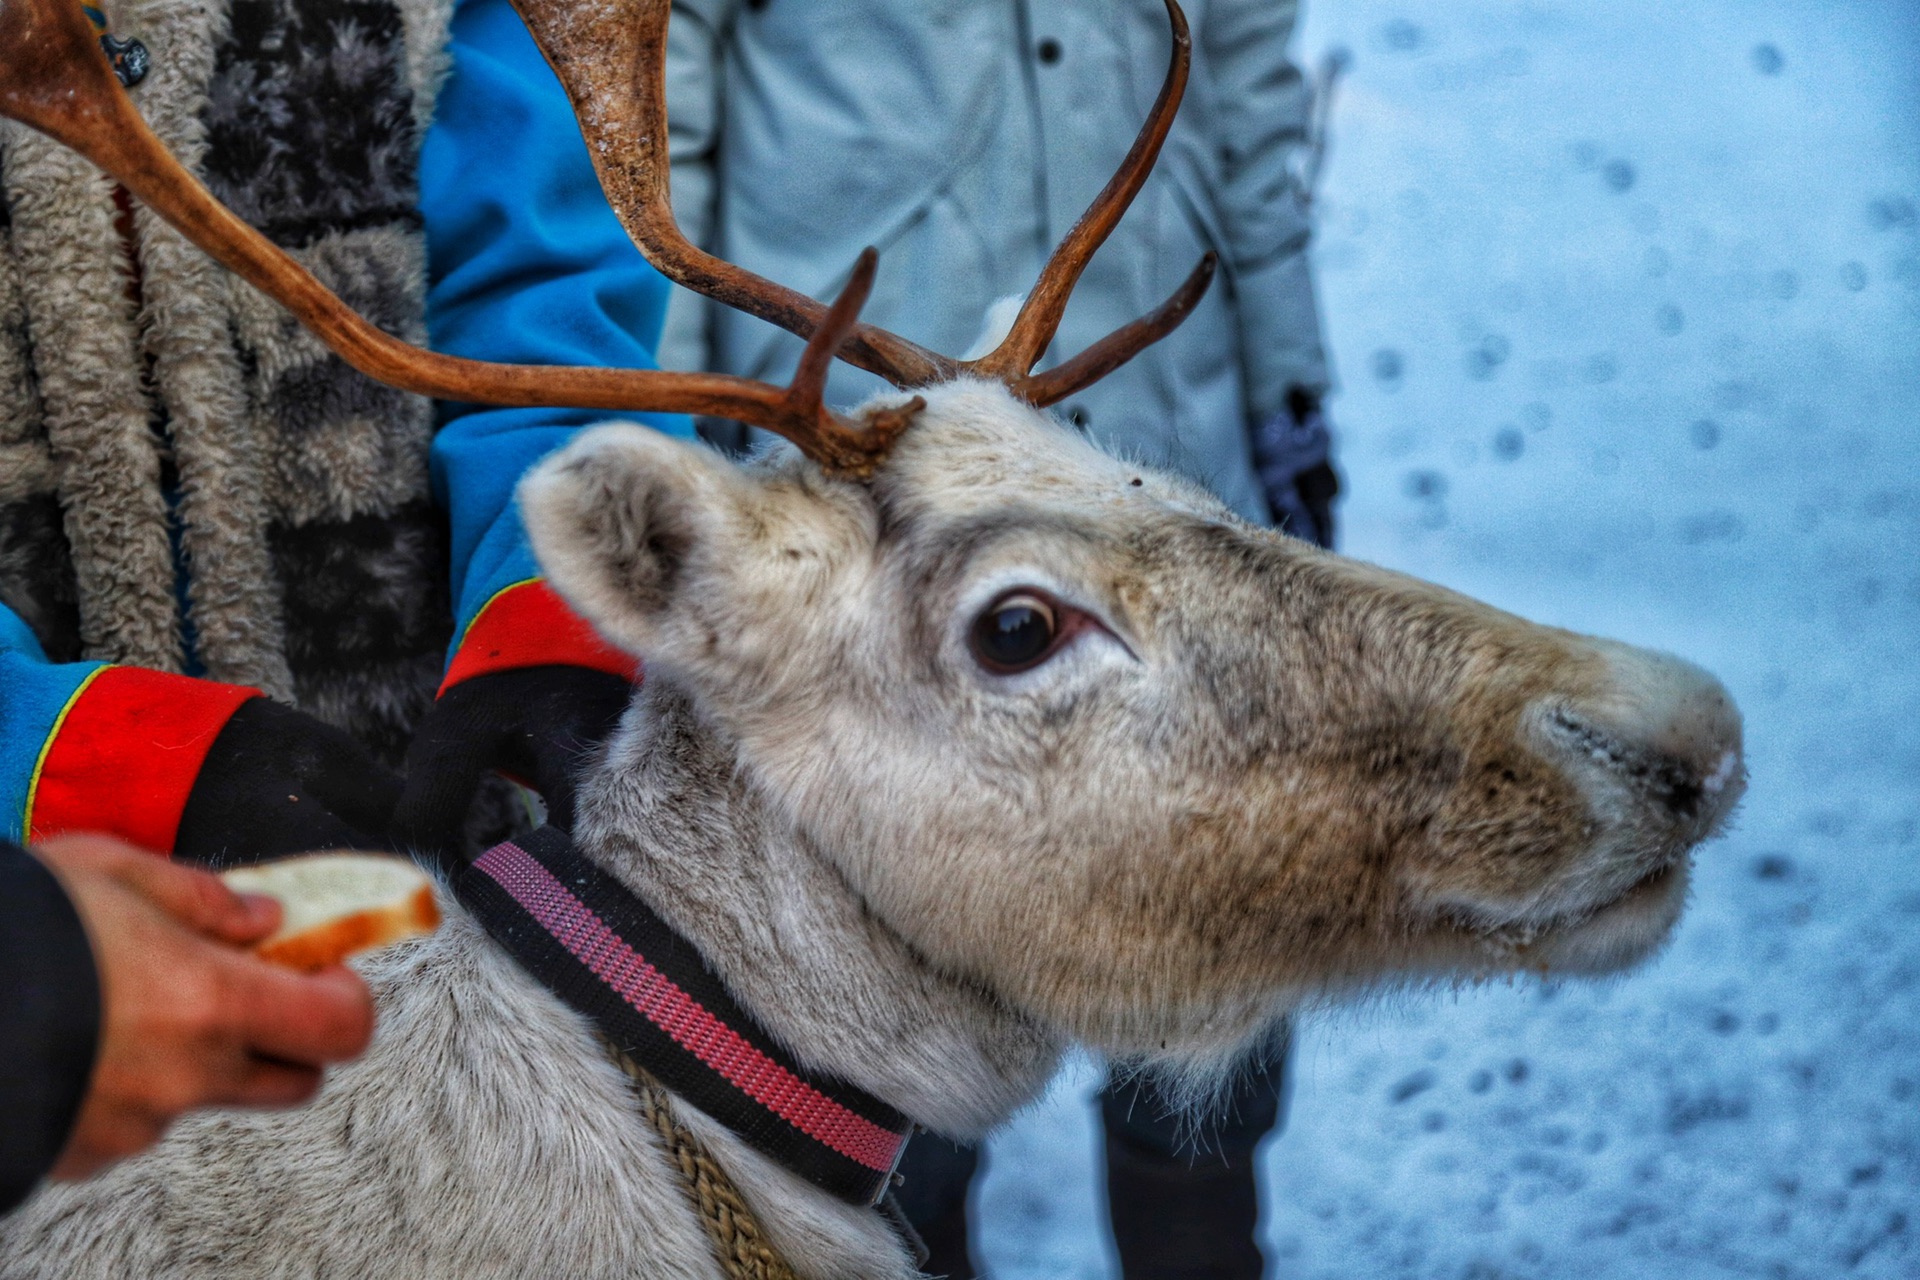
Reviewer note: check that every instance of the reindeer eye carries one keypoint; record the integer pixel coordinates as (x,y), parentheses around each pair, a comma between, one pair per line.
(1015,633)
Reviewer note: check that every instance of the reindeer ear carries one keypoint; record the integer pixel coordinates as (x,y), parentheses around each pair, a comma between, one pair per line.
(623,517)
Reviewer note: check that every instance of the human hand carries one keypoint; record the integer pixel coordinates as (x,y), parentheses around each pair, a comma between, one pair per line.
(189,1018)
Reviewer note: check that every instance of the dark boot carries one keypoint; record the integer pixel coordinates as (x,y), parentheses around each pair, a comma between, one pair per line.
(933,1198)
(1184,1206)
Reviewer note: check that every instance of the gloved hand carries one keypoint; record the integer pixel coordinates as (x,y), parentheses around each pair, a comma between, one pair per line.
(535,724)
(202,771)
(1291,453)
(530,691)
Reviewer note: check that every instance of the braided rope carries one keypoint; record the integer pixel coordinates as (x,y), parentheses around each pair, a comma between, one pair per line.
(742,1248)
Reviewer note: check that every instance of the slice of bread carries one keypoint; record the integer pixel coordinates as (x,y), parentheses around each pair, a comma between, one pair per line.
(339,904)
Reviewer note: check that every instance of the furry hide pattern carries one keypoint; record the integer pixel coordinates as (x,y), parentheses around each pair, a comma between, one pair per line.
(368,617)
(74,281)
(201,409)
(1251,773)
(33,546)
(217,444)
(26,468)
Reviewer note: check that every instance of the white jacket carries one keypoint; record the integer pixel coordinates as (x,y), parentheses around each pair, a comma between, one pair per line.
(962,138)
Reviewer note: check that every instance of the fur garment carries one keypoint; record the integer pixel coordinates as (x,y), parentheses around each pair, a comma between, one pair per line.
(148,398)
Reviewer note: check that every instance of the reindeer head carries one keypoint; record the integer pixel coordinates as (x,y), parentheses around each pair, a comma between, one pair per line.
(1072,729)
(1146,771)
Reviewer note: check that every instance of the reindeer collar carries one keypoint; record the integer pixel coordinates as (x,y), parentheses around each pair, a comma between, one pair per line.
(605,954)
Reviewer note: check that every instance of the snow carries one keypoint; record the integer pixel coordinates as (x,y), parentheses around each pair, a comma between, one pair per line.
(1626,303)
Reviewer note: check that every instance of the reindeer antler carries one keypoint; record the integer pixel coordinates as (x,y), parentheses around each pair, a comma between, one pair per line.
(54,78)
(611,59)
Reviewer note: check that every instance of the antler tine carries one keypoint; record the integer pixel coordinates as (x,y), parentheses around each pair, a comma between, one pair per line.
(843,446)
(54,78)
(810,378)
(1039,317)
(610,57)
(1120,346)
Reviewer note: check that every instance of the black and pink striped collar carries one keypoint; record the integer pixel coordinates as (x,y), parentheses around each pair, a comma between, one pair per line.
(605,953)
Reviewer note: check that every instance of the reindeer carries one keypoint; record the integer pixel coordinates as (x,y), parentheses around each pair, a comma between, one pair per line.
(960,742)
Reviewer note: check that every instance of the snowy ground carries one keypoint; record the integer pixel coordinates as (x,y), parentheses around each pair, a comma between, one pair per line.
(1626,304)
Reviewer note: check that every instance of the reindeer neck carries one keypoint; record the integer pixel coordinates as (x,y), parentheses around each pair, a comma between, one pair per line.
(674,816)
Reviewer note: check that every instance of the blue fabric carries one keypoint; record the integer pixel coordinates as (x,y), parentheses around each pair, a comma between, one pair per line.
(526,263)
(33,692)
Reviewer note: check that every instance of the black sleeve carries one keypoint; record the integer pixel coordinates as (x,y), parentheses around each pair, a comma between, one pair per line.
(49,1021)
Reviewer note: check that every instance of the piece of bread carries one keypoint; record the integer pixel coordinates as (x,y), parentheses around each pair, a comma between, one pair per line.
(338,904)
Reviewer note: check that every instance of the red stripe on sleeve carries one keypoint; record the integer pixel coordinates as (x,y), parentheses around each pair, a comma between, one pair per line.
(527,625)
(127,753)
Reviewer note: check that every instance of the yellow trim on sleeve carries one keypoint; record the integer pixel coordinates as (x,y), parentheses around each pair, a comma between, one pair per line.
(40,761)
(481,612)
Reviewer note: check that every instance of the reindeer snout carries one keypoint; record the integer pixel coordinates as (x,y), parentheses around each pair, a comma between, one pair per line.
(1658,744)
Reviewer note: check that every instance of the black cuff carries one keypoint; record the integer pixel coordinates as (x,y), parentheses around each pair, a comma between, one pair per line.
(49,1021)
(277,782)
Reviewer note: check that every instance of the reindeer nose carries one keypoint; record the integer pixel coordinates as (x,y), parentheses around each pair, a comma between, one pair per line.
(1661,735)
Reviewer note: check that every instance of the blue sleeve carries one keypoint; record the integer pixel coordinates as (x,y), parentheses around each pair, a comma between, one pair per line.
(526,263)
(34,697)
